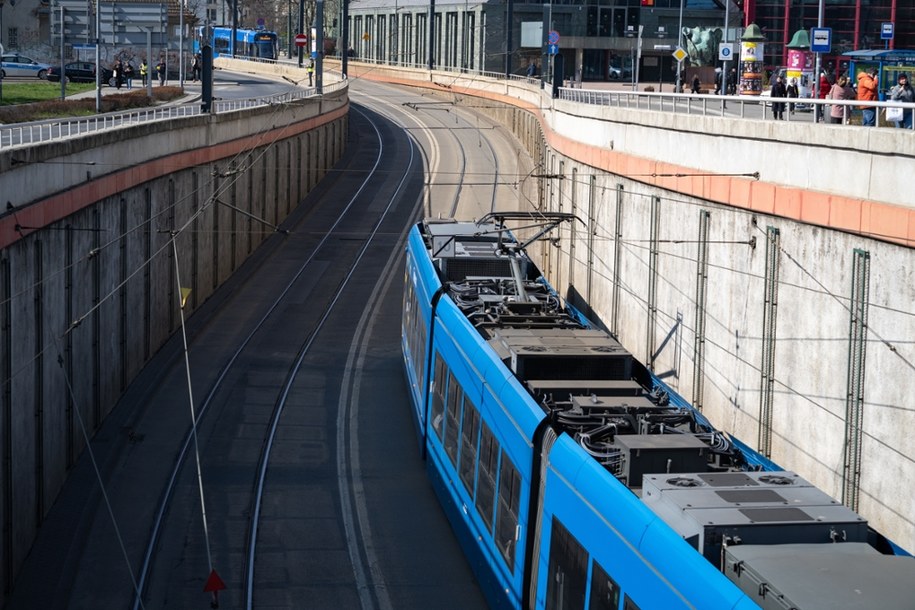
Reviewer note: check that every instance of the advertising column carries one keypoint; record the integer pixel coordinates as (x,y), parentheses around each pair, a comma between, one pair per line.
(751,61)
(800,62)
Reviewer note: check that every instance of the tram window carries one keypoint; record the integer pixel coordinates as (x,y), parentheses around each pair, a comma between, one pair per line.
(507,517)
(629,604)
(419,353)
(407,295)
(470,434)
(438,395)
(486,480)
(568,570)
(452,425)
(221,45)
(605,593)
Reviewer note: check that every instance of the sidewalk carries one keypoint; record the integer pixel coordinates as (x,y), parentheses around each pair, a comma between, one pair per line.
(191,90)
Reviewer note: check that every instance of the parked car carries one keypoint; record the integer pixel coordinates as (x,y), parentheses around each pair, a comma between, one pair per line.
(617,73)
(80,72)
(13,64)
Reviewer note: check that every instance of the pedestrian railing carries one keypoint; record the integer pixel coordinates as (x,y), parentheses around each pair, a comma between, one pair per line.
(730,106)
(50,130)
(736,106)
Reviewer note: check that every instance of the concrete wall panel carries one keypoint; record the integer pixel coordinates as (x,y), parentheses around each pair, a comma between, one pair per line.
(100,259)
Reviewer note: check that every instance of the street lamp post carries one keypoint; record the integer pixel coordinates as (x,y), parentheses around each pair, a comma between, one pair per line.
(815,88)
(680,45)
(181,44)
(724,69)
(98,59)
(1,45)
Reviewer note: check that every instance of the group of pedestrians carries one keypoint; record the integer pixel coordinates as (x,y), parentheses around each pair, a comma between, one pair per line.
(841,89)
(868,84)
(123,72)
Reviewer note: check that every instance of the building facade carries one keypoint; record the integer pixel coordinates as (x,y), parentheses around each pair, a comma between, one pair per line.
(32,27)
(611,39)
(598,40)
(855,25)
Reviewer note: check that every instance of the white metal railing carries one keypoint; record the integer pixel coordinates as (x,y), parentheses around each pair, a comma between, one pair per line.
(50,130)
(732,106)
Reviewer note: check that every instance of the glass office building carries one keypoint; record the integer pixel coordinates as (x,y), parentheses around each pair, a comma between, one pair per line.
(855,25)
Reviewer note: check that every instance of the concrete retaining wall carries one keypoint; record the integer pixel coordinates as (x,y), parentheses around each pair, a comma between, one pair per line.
(88,287)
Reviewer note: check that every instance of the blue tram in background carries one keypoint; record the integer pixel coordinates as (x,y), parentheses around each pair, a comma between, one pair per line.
(574,478)
(254,44)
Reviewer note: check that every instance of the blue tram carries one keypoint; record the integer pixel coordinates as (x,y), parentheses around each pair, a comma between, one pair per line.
(255,44)
(574,478)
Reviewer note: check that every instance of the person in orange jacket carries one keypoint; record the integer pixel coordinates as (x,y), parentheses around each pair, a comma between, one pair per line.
(867,92)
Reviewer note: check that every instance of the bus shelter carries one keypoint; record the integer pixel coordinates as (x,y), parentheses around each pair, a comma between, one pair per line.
(889,62)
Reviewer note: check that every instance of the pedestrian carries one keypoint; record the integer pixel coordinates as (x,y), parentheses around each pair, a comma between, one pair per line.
(160,70)
(792,92)
(903,92)
(118,74)
(195,69)
(840,91)
(732,82)
(311,71)
(128,74)
(718,74)
(778,91)
(697,85)
(823,89)
(867,92)
(531,70)
(144,71)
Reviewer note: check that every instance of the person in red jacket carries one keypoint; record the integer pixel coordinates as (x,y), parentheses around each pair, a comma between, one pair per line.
(822,91)
(867,92)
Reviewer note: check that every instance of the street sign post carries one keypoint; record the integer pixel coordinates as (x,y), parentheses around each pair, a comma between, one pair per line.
(821,40)
(301,40)
(679,54)
(726,51)
(886,31)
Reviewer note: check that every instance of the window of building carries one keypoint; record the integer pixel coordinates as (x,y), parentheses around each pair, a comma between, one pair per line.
(12,38)
(593,20)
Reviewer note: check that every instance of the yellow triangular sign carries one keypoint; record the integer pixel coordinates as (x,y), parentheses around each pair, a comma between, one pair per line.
(185,293)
